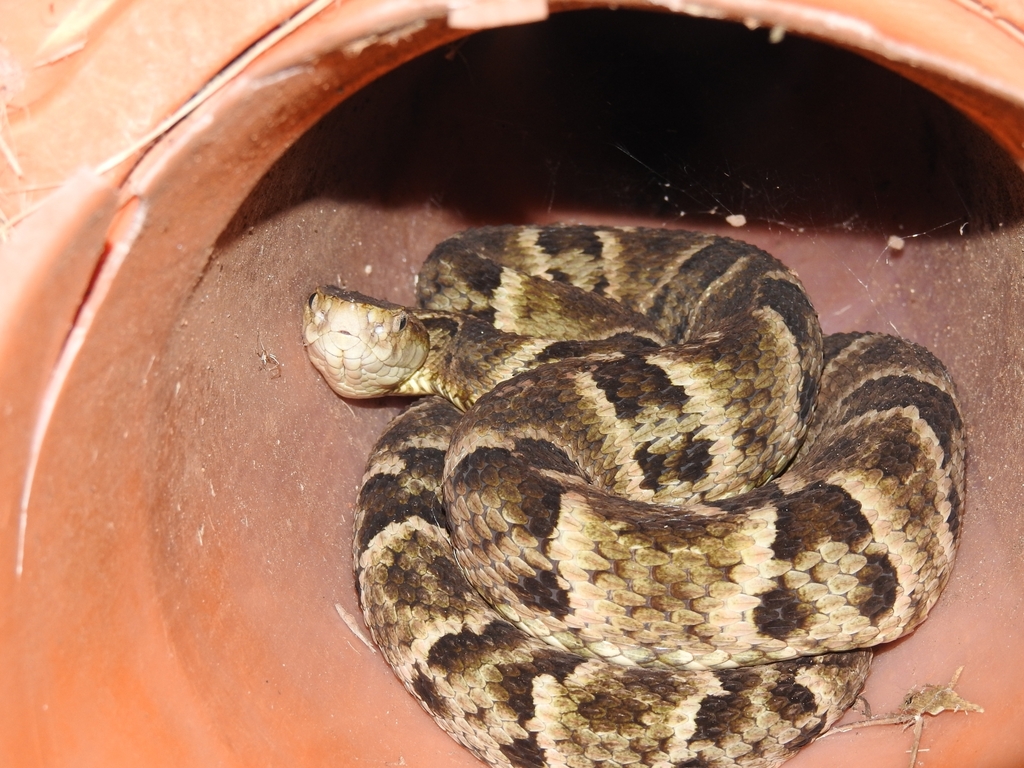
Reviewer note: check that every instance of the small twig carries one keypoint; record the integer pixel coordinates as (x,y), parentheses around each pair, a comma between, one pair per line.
(30,188)
(11,158)
(927,700)
(352,623)
(268,360)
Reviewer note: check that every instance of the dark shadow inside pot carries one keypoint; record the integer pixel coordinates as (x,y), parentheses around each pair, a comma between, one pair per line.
(598,117)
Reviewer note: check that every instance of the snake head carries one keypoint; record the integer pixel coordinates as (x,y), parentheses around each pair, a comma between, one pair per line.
(364,347)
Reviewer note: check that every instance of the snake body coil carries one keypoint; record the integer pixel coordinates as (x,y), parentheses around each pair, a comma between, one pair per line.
(675,509)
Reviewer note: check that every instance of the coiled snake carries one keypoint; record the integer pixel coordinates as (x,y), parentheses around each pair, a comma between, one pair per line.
(676,510)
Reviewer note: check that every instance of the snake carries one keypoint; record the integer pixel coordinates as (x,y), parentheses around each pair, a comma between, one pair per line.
(645,513)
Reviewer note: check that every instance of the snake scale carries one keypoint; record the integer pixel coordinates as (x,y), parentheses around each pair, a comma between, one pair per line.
(672,515)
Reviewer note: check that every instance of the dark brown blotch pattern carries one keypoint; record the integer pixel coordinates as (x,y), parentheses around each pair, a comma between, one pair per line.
(410,572)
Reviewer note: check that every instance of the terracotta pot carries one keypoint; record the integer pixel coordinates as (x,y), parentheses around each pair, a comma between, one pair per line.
(177,483)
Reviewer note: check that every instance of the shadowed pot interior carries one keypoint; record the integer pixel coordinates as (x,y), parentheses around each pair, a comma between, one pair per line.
(189,530)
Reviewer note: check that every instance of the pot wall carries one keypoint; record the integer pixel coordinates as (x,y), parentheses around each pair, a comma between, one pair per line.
(181,551)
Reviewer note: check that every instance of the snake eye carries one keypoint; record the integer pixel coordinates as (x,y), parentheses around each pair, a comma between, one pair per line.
(402,322)
(312,298)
